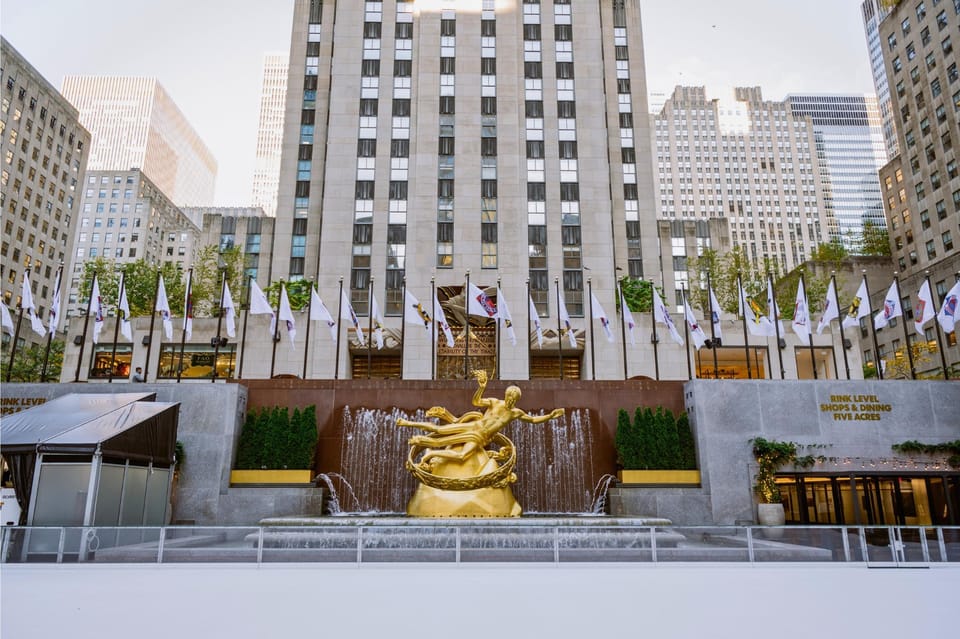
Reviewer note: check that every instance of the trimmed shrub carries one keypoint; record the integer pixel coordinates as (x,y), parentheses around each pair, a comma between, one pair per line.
(272,439)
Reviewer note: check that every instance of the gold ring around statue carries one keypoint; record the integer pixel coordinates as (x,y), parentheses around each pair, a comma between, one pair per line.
(499,478)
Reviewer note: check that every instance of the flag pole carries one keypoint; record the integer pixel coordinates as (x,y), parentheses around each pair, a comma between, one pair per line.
(713,327)
(466,328)
(186,316)
(276,332)
(336,365)
(873,329)
(16,333)
(83,336)
(529,343)
(906,332)
(403,325)
(153,317)
(369,325)
(46,353)
(306,346)
(746,341)
(433,333)
(496,365)
(216,346)
(686,330)
(623,324)
(775,312)
(243,334)
(654,338)
(116,328)
(813,361)
(593,369)
(936,324)
(843,339)
(556,281)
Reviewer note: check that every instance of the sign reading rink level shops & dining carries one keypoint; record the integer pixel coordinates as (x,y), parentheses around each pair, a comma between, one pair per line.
(848,408)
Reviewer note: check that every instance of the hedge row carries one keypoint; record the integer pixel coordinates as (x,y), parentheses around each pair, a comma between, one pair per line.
(272,439)
(654,440)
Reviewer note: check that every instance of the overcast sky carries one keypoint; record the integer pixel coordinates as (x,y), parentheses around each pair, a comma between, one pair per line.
(209,54)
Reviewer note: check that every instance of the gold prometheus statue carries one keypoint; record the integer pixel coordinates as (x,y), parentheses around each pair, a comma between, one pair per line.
(459,475)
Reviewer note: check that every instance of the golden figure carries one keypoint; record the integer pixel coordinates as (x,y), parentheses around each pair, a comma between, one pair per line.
(459,476)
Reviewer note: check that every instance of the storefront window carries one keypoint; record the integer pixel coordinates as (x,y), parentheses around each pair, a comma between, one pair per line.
(731,363)
(824,357)
(198,361)
(105,365)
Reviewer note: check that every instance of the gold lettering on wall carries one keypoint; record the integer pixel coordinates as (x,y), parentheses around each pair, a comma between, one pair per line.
(856,408)
(10,405)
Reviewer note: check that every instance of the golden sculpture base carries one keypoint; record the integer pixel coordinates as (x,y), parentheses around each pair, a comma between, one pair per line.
(481,502)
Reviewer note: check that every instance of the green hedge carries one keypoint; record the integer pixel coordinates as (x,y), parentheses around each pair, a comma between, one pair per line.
(272,439)
(654,440)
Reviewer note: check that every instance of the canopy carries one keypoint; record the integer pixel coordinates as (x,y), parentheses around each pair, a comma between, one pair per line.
(126,425)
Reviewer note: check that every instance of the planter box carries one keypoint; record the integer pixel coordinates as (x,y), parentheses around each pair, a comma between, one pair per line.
(271,477)
(659,477)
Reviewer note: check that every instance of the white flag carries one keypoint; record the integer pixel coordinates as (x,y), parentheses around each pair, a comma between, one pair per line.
(5,318)
(535,320)
(377,321)
(123,306)
(891,308)
(442,321)
(319,312)
(286,314)
(859,307)
(773,312)
(601,315)
(231,311)
(26,302)
(661,314)
(696,331)
(53,317)
(627,318)
(504,314)
(565,320)
(188,307)
(715,316)
(96,306)
(830,310)
(414,312)
(163,307)
(260,305)
(948,312)
(757,323)
(479,303)
(801,315)
(923,310)
(347,312)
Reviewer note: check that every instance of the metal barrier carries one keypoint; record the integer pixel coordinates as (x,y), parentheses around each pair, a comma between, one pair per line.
(472,542)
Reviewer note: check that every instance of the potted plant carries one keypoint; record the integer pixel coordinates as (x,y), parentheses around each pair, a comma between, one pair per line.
(771,456)
(276,447)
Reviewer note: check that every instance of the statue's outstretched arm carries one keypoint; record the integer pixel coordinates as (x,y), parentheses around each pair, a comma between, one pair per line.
(539,419)
(427,426)
(481,376)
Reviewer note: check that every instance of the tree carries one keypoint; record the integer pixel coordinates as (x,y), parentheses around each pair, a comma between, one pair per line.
(107,280)
(638,294)
(833,251)
(874,240)
(298,292)
(723,271)
(28,363)
(205,287)
(140,282)
(898,365)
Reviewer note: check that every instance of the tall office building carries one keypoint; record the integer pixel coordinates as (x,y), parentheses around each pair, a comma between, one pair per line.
(125,217)
(508,139)
(44,149)
(874,12)
(273,96)
(850,151)
(748,160)
(921,186)
(136,124)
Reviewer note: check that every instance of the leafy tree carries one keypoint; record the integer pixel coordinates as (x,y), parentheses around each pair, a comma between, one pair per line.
(833,251)
(205,286)
(140,283)
(646,431)
(298,292)
(723,270)
(108,280)
(626,441)
(28,363)
(898,365)
(874,240)
(638,294)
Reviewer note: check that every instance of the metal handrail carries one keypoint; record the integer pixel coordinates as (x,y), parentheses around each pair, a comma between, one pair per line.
(473,542)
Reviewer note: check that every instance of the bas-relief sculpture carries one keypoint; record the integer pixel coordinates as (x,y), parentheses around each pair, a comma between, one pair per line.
(459,476)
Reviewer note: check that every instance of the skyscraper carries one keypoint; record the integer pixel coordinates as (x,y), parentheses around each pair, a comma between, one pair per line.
(136,124)
(748,160)
(44,149)
(273,95)
(508,139)
(850,150)
(873,14)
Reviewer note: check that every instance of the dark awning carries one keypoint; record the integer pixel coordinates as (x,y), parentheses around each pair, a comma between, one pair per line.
(126,425)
